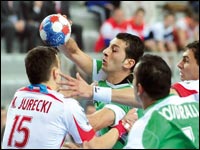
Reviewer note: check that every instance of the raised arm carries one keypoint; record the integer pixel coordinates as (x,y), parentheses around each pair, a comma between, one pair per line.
(125,96)
(79,87)
(71,50)
(108,140)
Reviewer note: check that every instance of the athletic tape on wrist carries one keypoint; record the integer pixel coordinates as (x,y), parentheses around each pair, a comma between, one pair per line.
(121,129)
(102,94)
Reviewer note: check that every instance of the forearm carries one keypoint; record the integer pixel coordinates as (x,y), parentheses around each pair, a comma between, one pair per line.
(75,54)
(123,96)
(99,120)
(108,140)
(69,49)
(105,141)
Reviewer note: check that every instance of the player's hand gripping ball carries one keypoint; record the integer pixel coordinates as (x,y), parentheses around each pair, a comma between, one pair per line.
(55,30)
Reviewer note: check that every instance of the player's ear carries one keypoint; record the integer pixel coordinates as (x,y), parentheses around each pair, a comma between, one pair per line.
(55,73)
(140,89)
(129,63)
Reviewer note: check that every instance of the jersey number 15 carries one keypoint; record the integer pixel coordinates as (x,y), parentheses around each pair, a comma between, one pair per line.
(17,126)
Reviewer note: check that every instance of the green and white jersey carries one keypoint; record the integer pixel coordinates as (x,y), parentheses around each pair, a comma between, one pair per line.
(170,123)
(119,109)
(97,72)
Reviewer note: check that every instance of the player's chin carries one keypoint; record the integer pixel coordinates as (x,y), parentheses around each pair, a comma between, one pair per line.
(182,78)
(104,68)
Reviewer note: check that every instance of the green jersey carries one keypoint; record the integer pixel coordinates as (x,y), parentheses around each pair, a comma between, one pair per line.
(119,109)
(170,123)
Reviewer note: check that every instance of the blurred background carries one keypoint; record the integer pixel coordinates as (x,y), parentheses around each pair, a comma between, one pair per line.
(164,26)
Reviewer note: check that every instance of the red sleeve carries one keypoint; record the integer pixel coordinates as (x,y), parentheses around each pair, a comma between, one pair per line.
(182,91)
(85,135)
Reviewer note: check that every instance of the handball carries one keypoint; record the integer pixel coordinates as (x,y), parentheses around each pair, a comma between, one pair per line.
(55,30)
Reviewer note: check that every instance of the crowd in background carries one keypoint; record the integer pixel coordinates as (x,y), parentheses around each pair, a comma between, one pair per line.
(20,21)
(170,33)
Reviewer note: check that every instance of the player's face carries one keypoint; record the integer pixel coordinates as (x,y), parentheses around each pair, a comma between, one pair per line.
(114,56)
(188,67)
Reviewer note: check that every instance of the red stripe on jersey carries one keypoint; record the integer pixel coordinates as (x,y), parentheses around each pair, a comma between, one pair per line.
(85,135)
(182,91)
(62,142)
(38,91)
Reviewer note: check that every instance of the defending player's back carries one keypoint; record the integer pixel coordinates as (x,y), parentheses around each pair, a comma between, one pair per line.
(39,116)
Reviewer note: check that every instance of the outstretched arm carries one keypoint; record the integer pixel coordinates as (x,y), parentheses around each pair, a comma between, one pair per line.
(71,50)
(108,140)
(79,87)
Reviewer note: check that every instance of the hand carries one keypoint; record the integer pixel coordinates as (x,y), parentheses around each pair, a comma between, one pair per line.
(130,118)
(69,48)
(77,87)
(70,21)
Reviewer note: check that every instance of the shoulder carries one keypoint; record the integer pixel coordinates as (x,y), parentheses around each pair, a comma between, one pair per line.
(186,88)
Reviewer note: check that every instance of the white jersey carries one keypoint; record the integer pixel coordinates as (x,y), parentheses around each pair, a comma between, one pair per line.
(186,88)
(41,120)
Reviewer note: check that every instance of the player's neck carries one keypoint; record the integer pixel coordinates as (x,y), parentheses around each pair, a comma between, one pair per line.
(117,77)
(51,85)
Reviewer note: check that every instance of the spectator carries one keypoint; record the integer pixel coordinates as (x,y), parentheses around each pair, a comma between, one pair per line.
(187,30)
(110,28)
(161,35)
(101,8)
(14,26)
(150,7)
(136,25)
(34,12)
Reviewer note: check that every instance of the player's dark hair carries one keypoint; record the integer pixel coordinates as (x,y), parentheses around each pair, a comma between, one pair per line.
(39,62)
(135,46)
(140,9)
(194,47)
(154,75)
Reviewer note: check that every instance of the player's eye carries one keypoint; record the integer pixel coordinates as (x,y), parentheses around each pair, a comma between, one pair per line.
(114,49)
(185,60)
